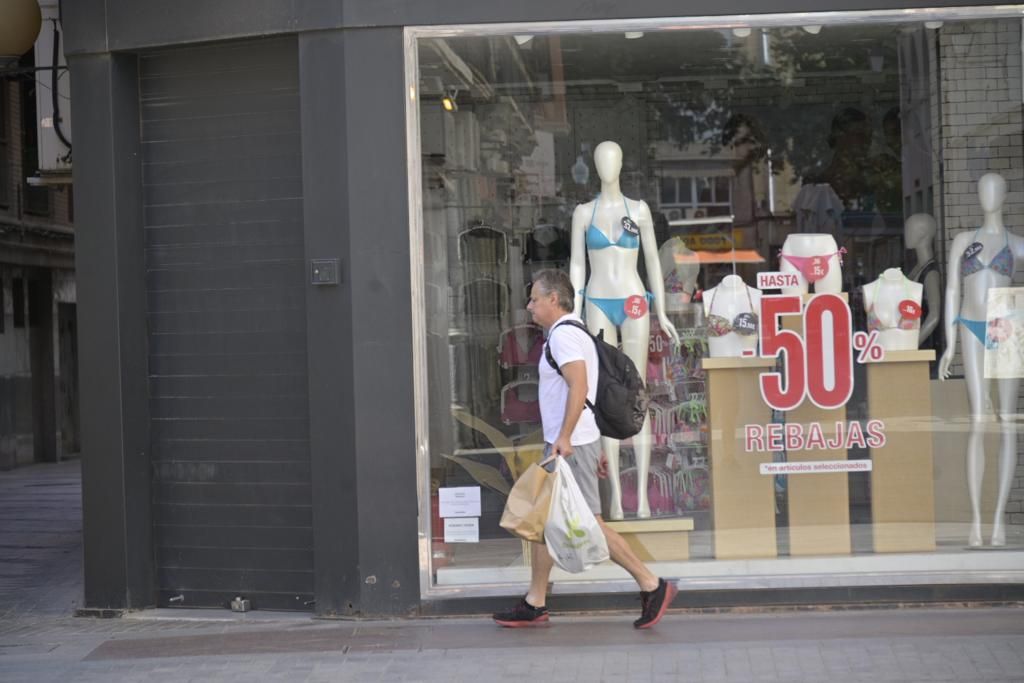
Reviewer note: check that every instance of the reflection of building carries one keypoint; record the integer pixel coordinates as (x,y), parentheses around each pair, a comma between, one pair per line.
(38,338)
(265,428)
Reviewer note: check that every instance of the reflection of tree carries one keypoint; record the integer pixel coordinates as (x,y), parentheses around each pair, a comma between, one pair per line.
(771,106)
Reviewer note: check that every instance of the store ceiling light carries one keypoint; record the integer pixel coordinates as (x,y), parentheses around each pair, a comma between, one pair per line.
(448,101)
(633,35)
(813,29)
(741,32)
(523,39)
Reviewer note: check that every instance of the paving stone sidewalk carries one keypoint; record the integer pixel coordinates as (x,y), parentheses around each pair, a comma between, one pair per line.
(40,586)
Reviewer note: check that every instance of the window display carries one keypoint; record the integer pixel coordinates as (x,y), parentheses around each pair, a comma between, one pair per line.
(808,243)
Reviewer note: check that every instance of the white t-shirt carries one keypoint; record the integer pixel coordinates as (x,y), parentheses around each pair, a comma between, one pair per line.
(567,344)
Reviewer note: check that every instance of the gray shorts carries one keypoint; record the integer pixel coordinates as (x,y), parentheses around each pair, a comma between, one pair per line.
(583,463)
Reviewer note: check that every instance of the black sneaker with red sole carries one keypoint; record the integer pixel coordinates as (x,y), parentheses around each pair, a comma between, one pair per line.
(523,614)
(654,603)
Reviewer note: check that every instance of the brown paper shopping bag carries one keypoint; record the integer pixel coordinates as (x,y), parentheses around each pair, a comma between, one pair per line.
(526,509)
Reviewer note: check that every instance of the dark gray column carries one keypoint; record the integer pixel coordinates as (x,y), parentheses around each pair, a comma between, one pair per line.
(360,344)
(44,406)
(112,326)
(329,326)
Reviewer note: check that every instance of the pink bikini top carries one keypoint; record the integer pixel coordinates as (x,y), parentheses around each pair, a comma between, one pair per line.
(512,353)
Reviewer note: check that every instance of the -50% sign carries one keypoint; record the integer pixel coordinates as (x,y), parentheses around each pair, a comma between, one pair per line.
(819,363)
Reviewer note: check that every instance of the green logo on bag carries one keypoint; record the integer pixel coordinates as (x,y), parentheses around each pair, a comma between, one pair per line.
(575,532)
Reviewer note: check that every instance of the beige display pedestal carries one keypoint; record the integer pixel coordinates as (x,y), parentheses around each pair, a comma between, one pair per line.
(902,477)
(819,504)
(742,499)
(657,540)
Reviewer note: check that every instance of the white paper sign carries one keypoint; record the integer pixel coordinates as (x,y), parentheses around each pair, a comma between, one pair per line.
(776,280)
(460,501)
(1004,333)
(462,530)
(815,467)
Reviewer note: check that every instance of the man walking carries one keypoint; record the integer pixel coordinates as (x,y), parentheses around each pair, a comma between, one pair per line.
(571,432)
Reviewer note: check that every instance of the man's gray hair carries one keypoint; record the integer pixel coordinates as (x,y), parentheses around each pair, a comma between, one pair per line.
(557,282)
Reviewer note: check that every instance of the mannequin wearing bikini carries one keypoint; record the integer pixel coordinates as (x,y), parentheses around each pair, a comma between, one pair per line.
(815,258)
(885,302)
(681,267)
(611,231)
(919,235)
(731,311)
(978,261)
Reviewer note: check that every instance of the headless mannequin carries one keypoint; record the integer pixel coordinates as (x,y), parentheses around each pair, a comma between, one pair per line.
(613,275)
(808,245)
(730,300)
(882,297)
(681,267)
(966,298)
(919,235)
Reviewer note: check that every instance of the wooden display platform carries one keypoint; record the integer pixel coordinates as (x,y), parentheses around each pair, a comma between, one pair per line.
(742,499)
(819,504)
(902,474)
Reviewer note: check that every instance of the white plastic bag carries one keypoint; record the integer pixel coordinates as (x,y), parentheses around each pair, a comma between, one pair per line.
(573,536)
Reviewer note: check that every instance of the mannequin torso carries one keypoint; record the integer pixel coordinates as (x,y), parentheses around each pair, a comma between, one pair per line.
(882,299)
(722,306)
(681,268)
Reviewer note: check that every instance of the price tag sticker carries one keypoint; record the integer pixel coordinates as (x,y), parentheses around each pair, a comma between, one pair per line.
(816,268)
(910,310)
(973,250)
(630,226)
(636,306)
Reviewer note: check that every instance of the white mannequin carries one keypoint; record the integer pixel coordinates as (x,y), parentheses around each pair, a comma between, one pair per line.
(681,267)
(966,298)
(919,235)
(613,275)
(891,288)
(730,300)
(806,245)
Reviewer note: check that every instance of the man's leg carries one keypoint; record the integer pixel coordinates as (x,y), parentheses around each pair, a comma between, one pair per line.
(624,556)
(540,572)
(531,610)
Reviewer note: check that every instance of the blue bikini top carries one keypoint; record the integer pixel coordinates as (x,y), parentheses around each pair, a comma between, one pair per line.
(598,240)
(1001,263)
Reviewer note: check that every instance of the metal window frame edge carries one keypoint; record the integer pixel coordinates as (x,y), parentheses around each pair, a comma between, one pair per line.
(412,34)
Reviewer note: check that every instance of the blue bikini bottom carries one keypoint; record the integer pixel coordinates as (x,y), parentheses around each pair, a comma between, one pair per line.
(615,309)
(975,327)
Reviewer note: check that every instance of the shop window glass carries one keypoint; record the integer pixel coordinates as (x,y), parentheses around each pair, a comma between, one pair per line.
(856,165)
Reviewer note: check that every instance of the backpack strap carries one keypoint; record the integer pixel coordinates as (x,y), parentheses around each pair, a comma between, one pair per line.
(551,359)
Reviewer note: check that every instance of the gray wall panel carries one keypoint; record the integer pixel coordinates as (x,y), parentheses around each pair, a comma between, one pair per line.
(381,319)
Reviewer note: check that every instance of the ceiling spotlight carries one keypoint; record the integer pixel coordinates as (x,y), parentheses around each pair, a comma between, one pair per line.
(813,29)
(633,35)
(523,39)
(448,101)
(741,32)
(933,25)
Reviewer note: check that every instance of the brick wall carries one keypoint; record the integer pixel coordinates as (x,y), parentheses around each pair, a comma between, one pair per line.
(982,127)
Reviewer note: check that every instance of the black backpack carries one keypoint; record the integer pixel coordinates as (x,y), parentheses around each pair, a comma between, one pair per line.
(621,399)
